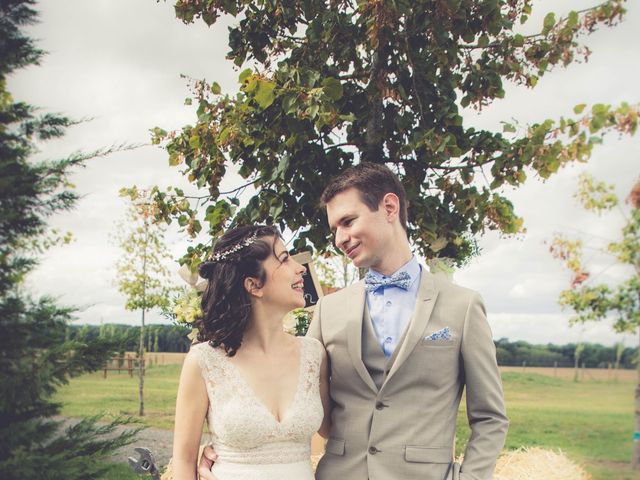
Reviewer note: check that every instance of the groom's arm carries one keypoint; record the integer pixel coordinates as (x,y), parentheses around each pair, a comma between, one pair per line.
(485,401)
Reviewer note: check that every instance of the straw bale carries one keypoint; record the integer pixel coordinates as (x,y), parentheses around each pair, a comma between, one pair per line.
(534,463)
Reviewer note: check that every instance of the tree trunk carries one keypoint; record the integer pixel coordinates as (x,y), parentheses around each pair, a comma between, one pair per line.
(635,461)
(374,151)
(144,303)
(141,369)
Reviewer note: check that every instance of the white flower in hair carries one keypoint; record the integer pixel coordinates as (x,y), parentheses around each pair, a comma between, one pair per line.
(236,248)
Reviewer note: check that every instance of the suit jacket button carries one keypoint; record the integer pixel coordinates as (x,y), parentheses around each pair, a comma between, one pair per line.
(373,450)
(380,405)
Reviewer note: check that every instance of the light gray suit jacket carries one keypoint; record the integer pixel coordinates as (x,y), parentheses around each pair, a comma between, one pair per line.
(405,429)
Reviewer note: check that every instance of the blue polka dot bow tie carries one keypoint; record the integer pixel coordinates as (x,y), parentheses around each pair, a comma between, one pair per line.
(373,282)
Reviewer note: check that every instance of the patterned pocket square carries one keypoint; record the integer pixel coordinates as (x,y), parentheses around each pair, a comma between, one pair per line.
(443,334)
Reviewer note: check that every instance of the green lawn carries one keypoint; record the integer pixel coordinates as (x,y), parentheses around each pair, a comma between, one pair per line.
(118,395)
(123,472)
(592,422)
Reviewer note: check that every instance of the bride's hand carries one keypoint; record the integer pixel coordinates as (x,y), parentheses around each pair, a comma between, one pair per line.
(207,460)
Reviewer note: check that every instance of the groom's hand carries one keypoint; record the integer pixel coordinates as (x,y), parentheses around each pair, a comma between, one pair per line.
(207,460)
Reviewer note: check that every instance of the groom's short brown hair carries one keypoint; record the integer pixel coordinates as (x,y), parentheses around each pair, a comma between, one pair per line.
(372,181)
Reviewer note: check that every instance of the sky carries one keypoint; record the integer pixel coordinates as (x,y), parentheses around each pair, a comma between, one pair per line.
(118,64)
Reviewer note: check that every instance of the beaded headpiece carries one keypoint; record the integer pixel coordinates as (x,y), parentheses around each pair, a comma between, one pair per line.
(219,256)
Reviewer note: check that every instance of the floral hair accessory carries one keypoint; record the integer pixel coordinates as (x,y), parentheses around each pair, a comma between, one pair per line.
(217,257)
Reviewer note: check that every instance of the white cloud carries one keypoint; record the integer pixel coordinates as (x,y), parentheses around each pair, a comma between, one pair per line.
(120,62)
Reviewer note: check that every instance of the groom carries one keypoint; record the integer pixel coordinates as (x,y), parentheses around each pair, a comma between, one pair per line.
(403,345)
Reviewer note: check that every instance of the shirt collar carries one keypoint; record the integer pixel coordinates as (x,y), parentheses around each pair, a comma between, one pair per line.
(412,267)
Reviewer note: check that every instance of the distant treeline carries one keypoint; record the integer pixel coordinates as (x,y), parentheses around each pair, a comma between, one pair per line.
(158,338)
(173,338)
(593,355)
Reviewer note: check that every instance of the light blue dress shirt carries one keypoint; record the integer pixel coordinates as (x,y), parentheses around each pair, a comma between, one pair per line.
(391,308)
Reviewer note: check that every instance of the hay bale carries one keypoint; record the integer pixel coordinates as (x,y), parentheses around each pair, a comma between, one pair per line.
(534,463)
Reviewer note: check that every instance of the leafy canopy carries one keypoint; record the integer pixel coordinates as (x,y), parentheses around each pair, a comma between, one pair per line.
(338,82)
(142,276)
(596,301)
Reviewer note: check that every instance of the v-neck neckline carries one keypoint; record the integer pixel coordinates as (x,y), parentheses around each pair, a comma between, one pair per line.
(242,380)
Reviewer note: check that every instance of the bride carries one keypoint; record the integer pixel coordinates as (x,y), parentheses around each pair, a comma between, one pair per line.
(262,391)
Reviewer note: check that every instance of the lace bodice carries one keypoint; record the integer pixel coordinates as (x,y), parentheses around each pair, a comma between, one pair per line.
(242,429)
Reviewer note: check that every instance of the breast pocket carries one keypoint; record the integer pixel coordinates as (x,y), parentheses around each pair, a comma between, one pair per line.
(438,362)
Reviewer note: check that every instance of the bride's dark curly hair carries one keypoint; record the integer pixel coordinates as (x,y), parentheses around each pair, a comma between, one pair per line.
(226,304)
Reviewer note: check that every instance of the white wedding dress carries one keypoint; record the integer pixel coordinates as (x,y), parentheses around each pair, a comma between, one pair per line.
(250,442)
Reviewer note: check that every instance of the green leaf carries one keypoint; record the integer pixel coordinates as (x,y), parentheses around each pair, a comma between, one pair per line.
(251,84)
(600,109)
(573,19)
(215,88)
(578,109)
(244,75)
(289,103)
(174,159)
(194,141)
(313,110)
(276,210)
(518,40)
(332,88)
(224,134)
(264,96)
(549,22)
(508,127)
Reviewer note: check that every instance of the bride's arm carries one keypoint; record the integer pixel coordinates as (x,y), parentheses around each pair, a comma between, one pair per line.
(325,427)
(191,408)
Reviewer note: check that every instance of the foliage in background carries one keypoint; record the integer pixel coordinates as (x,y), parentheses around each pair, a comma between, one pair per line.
(593,355)
(335,270)
(37,358)
(142,276)
(302,317)
(173,338)
(336,83)
(593,301)
(168,338)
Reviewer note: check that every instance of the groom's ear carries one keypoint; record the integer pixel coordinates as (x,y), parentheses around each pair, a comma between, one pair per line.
(391,205)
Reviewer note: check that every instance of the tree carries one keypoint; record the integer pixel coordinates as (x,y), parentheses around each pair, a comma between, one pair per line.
(338,82)
(598,301)
(142,276)
(335,270)
(37,357)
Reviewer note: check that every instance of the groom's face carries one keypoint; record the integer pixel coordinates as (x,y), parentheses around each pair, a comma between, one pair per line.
(363,235)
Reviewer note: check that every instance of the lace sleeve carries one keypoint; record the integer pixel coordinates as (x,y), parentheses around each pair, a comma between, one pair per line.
(317,351)
(203,355)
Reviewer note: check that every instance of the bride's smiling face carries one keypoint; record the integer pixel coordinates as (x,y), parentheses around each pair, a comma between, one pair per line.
(284,284)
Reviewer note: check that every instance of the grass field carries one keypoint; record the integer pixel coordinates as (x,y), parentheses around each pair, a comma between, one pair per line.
(591,421)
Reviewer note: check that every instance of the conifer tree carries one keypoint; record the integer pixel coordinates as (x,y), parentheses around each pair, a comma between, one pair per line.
(36,354)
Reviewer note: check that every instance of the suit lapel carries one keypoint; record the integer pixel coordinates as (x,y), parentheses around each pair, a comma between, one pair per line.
(355,315)
(425,301)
